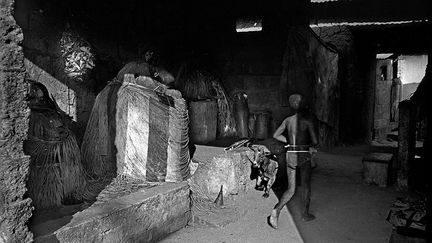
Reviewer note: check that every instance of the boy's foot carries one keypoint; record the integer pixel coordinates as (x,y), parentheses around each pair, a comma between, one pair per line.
(272,220)
(307,217)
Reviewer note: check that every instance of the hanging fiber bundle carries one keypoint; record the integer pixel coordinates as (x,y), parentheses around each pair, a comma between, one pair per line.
(226,121)
(98,149)
(56,175)
(201,85)
(198,86)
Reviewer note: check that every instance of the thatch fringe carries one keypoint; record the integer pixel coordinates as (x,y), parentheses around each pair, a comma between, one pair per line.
(226,121)
(198,85)
(56,175)
(98,149)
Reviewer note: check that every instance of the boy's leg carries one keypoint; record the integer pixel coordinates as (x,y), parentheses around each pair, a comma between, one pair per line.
(305,189)
(283,199)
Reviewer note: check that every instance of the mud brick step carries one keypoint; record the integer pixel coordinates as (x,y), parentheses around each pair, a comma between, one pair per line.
(148,215)
(376,168)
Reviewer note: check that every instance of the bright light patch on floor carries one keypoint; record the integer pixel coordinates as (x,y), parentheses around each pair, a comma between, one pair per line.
(249,25)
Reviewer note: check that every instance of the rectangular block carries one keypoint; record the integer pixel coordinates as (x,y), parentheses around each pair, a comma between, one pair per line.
(145,216)
(218,167)
(376,167)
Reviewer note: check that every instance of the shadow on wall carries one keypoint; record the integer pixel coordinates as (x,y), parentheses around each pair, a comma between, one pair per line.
(58,56)
(46,62)
(77,103)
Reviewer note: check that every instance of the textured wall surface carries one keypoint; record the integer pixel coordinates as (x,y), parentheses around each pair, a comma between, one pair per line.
(44,63)
(412,68)
(406,144)
(263,94)
(356,86)
(15,210)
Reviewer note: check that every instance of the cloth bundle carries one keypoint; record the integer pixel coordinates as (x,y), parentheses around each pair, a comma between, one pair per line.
(408,213)
(138,129)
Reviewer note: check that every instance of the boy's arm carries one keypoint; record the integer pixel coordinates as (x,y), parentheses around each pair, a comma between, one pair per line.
(313,136)
(279,131)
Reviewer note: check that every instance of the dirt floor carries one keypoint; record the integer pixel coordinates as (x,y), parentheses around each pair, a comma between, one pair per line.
(346,210)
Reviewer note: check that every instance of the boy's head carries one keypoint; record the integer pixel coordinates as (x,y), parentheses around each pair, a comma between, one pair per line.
(295,101)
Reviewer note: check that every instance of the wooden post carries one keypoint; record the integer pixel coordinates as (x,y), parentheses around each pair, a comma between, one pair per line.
(406,144)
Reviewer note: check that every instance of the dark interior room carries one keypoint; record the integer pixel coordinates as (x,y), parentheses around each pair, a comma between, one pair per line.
(163,121)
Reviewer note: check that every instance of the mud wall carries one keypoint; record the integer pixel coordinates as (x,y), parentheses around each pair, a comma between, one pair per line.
(356,82)
(44,62)
(15,208)
(254,58)
(326,91)
(256,65)
(112,41)
(310,68)
(263,95)
(411,70)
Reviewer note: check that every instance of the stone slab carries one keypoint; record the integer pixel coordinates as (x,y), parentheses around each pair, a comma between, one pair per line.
(376,168)
(211,215)
(378,157)
(375,174)
(217,167)
(144,216)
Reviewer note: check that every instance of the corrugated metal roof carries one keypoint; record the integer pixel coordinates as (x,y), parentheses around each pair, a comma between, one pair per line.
(366,23)
(323,1)
(383,55)
(327,1)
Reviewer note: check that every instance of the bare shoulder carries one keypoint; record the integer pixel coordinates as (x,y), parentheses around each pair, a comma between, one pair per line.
(291,118)
(285,121)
